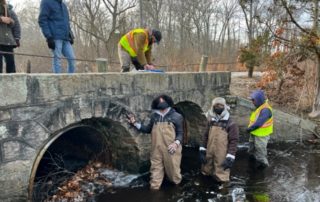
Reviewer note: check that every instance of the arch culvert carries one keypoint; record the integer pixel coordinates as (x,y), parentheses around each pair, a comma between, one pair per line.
(65,154)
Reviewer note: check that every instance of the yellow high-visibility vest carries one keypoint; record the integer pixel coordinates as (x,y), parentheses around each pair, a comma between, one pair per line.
(127,42)
(267,128)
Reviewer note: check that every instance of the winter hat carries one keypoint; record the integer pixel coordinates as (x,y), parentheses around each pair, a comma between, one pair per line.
(220,100)
(157,34)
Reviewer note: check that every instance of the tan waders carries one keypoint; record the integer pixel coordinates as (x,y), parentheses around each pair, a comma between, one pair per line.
(163,134)
(216,154)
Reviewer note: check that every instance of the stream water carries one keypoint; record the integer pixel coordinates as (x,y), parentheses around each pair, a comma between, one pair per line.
(293,176)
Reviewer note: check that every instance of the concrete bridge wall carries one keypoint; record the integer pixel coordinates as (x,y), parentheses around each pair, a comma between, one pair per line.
(37,110)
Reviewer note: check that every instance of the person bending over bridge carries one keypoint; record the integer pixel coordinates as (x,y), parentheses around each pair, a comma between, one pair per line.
(135,47)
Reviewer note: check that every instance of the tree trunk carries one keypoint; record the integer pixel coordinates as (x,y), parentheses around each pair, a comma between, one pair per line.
(316,103)
(250,71)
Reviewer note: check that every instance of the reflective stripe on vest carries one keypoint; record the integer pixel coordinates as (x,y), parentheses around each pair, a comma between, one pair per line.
(267,128)
(127,42)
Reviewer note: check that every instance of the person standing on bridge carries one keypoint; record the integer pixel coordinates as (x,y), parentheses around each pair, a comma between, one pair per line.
(219,145)
(260,128)
(54,23)
(10,33)
(135,47)
(166,128)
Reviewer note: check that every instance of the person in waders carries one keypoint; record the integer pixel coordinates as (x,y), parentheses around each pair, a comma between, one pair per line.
(260,128)
(166,128)
(219,145)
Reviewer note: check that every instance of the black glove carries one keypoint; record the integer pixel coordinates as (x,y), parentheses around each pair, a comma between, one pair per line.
(51,43)
(227,163)
(136,63)
(202,156)
(18,42)
(71,39)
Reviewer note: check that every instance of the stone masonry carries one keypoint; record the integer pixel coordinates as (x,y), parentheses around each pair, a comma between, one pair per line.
(35,108)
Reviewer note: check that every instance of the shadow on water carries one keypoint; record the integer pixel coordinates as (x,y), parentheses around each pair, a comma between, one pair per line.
(294,175)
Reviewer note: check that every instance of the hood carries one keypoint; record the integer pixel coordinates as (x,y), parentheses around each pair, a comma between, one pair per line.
(224,115)
(258,97)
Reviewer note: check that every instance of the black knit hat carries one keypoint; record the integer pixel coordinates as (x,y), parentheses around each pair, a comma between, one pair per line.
(157,35)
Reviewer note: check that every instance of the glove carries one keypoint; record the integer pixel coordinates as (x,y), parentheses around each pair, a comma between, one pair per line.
(136,63)
(227,163)
(71,39)
(18,42)
(51,43)
(172,148)
(202,155)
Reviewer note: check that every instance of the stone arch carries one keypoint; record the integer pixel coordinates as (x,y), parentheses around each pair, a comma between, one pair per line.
(195,122)
(108,133)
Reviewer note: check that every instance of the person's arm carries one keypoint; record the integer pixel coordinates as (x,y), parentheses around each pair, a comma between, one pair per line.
(145,128)
(16,29)
(264,115)
(178,123)
(43,19)
(139,40)
(233,139)
(148,55)
(205,136)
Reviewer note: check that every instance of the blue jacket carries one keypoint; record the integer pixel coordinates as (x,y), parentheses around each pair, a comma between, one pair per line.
(54,20)
(265,114)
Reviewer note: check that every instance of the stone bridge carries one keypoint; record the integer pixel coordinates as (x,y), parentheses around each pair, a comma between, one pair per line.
(82,116)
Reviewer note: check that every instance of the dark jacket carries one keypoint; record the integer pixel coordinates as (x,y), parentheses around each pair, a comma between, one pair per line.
(264,115)
(54,20)
(233,134)
(172,116)
(9,33)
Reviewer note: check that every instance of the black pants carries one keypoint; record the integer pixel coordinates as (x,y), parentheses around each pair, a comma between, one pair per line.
(9,58)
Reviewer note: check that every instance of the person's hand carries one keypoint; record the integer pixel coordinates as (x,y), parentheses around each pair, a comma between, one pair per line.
(172,148)
(51,44)
(227,163)
(131,119)
(6,20)
(149,67)
(18,42)
(202,155)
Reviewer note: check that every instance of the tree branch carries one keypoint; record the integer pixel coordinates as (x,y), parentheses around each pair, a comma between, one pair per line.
(284,4)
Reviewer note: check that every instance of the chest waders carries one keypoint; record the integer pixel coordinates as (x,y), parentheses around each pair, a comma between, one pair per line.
(216,153)
(162,162)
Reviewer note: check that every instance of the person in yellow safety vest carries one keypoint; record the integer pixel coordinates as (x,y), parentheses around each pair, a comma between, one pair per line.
(135,47)
(260,128)
(166,128)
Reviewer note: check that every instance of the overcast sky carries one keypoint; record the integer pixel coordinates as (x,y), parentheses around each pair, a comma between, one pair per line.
(21,3)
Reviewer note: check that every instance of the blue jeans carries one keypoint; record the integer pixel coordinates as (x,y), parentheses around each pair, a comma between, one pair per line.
(63,48)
